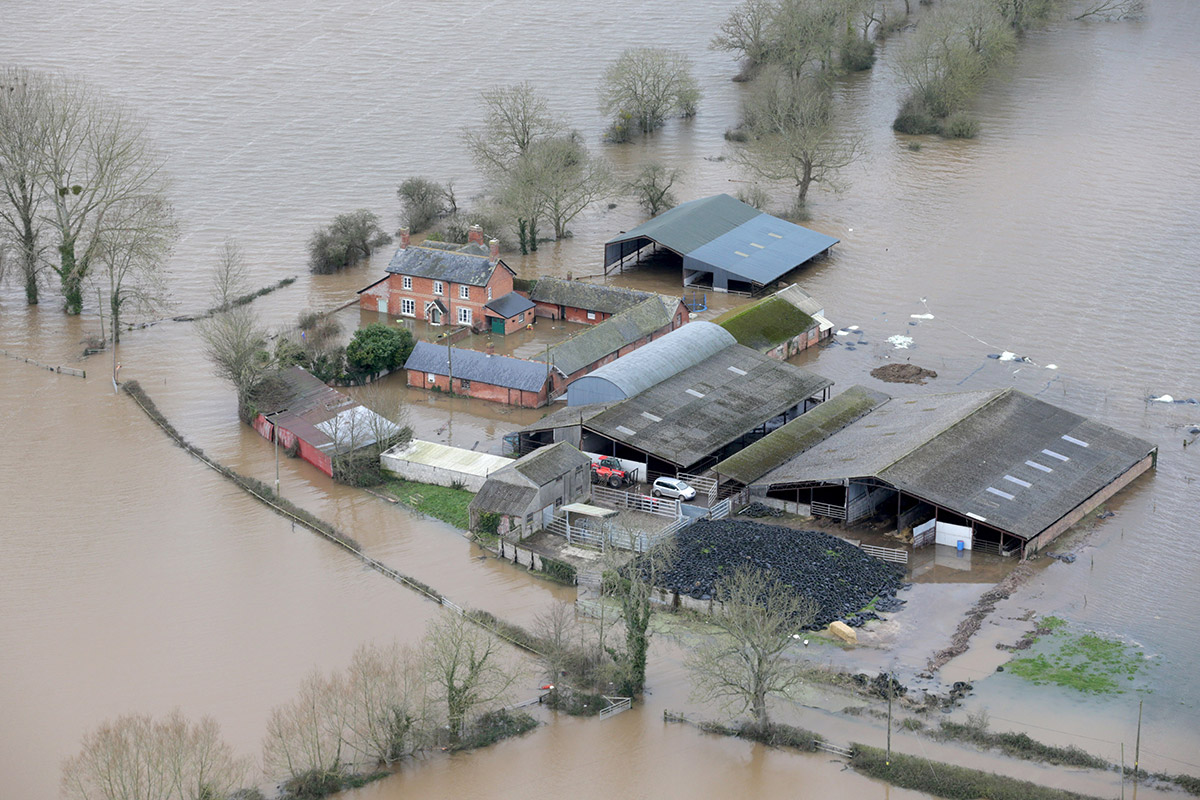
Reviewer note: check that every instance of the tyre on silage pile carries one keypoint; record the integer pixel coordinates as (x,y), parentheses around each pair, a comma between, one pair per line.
(841,578)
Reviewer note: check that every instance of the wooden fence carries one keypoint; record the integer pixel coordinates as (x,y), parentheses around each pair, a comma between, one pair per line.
(78,373)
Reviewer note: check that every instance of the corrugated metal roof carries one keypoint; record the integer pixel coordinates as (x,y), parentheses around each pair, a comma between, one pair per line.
(699,410)
(321,415)
(472,365)
(509,305)
(693,224)
(807,430)
(469,264)
(590,345)
(881,438)
(801,300)
(563,417)
(763,249)
(457,459)
(498,496)
(588,296)
(650,364)
(955,449)
(548,463)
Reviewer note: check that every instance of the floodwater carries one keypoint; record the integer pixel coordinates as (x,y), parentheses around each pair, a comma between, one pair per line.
(133,579)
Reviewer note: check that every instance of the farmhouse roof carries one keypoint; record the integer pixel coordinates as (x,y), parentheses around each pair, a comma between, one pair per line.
(470,264)
(498,496)
(547,463)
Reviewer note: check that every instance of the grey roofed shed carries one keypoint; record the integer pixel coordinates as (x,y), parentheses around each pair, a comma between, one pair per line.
(548,463)
(621,329)
(581,294)
(694,413)
(470,264)
(1000,457)
(725,237)
(651,364)
(472,365)
(802,433)
(501,497)
(509,305)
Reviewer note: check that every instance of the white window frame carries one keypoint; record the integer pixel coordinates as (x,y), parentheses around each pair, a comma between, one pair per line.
(464,315)
(438,287)
(406,282)
(408,307)
(591,315)
(464,292)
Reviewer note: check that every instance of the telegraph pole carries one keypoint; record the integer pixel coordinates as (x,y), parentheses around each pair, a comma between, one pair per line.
(1137,749)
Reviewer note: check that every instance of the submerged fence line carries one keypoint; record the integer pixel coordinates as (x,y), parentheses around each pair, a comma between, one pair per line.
(78,373)
(263,493)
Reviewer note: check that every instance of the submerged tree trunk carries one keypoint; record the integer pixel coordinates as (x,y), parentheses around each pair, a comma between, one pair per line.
(72,279)
(29,262)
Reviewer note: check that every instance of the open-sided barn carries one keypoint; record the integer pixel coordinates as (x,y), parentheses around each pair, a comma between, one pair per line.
(721,242)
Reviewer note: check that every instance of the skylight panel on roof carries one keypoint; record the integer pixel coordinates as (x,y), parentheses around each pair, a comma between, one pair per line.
(999,493)
(740,253)
(626,431)
(1053,454)
(776,235)
(694,393)
(651,417)
(1073,440)
(976,516)
(756,244)
(1018,481)
(738,371)
(1036,465)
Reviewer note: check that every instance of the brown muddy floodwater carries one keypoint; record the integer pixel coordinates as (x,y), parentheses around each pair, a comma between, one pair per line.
(132,579)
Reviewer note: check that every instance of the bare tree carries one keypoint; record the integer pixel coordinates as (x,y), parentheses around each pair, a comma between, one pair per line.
(467,667)
(389,710)
(306,738)
(236,344)
(522,199)
(344,241)
(139,757)
(746,33)
(96,157)
(644,86)
(23,112)
(652,188)
(231,275)
(1112,10)
(569,179)
(792,136)
(746,665)
(515,118)
(361,433)
(132,265)
(423,201)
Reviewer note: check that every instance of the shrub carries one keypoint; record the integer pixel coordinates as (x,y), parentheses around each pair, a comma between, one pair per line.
(960,125)
(313,785)
(378,347)
(915,118)
(577,704)
(857,54)
(489,522)
(560,571)
(494,726)
(344,241)
(736,135)
(755,196)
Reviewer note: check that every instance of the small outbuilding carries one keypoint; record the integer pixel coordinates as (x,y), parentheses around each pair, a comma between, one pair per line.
(318,423)
(500,379)
(722,243)
(441,464)
(509,313)
(780,325)
(527,493)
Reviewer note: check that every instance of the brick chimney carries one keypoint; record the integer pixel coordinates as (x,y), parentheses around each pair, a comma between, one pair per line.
(568,276)
(494,248)
(475,235)
(404,238)
(491,349)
